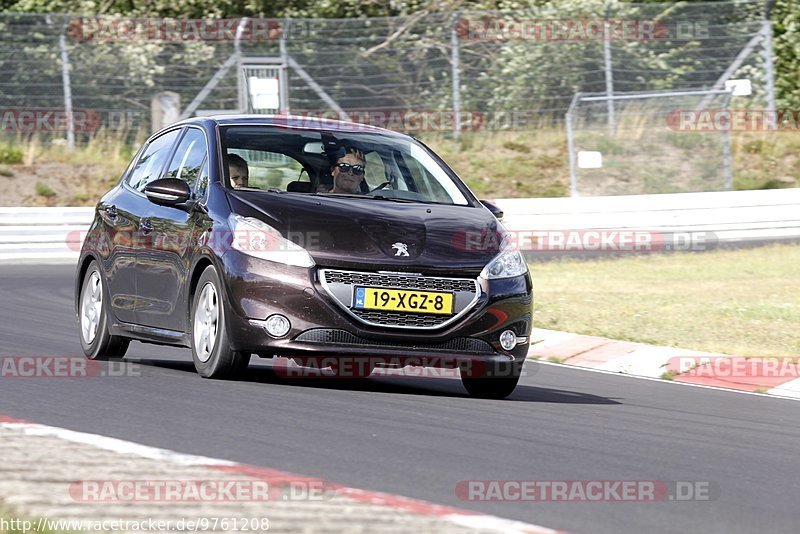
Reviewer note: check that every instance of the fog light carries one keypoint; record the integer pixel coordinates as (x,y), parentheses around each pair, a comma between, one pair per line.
(277,325)
(508,339)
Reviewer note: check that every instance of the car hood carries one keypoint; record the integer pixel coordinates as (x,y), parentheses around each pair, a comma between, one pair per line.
(374,234)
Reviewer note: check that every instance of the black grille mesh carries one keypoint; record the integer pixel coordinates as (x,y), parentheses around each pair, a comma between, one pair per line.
(389,318)
(469,345)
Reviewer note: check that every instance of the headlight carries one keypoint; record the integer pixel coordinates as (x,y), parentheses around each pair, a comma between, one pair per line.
(505,265)
(256,238)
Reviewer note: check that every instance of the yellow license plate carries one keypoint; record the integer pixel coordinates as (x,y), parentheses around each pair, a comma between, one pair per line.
(403,300)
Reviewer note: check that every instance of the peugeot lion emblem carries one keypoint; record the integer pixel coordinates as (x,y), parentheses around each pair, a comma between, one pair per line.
(401,249)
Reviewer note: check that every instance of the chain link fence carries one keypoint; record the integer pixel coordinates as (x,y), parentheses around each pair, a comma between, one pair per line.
(73,77)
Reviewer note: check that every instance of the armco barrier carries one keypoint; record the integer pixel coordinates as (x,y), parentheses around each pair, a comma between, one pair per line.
(42,233)
(733,217)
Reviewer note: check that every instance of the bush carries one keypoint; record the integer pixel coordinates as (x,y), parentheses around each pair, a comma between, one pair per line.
(44,190)
(10,154)
(518,147)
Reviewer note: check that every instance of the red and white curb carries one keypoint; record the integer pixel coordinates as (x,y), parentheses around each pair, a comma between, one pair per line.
(778,376)
(462,518)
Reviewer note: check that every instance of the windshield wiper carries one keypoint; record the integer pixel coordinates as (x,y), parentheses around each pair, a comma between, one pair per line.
(343,195)
(401,199)
(377,197)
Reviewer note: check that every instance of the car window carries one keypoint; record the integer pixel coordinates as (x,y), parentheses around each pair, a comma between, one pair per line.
(270,169)
(375,173)
(149,166)
(424,182)
(189,157)
(301,161)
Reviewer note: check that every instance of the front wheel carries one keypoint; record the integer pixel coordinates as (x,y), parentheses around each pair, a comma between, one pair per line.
(96,341)
(211,351)
(492,380)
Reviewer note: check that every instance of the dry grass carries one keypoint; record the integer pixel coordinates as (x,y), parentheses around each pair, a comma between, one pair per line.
(742,302)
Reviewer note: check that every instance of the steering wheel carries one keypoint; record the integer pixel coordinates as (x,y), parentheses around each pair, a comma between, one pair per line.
(384,184)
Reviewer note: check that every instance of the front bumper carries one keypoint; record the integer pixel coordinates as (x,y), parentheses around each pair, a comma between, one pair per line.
(320,327)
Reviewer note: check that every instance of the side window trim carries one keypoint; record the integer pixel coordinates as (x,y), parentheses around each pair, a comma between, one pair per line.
(143,151)
(179,142)
(204,174)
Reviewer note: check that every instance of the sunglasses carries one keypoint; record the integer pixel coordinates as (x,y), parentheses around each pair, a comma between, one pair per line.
(357,170)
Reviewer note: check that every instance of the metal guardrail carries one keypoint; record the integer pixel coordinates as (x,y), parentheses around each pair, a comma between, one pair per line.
(733,218)
(43,234)
(730,217)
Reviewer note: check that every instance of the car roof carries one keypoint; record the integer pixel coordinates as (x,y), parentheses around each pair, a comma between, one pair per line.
(293,121)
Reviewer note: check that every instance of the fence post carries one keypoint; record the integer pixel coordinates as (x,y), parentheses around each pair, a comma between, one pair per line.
(727,165)
(768,66)
(165,108)
(609,72)
(573,172)
(456,78)
(66,66)
(237,53)
(283,93)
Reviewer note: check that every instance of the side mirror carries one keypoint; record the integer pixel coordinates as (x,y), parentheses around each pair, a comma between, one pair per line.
(167,191)
(496,211)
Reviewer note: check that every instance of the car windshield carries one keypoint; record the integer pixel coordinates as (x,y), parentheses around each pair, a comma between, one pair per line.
(367,165)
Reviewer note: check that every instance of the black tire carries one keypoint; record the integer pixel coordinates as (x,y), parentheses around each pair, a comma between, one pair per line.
(97,343)
(211,352)
(492,380)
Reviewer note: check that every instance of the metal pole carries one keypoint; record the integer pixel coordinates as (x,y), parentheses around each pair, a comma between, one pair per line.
(727,170)
(317,88)
(237,52)
(65,80)
(284,76)
(573,172)
(770,71)
(456,78)
(210,85)
(609,72)
(734,66)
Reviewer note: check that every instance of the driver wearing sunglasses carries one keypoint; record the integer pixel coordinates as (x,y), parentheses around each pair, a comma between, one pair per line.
(348,172)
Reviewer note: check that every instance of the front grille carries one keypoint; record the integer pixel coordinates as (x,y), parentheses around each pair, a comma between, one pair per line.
(340,285)
(399,281)
(389,318)
(468,345)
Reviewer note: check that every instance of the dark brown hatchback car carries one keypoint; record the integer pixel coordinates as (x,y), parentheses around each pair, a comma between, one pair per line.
(314,240)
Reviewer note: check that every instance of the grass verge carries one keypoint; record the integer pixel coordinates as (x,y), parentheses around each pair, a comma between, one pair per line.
(742,302)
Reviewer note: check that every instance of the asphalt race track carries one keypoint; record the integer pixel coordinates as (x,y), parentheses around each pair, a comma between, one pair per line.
(420,436)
